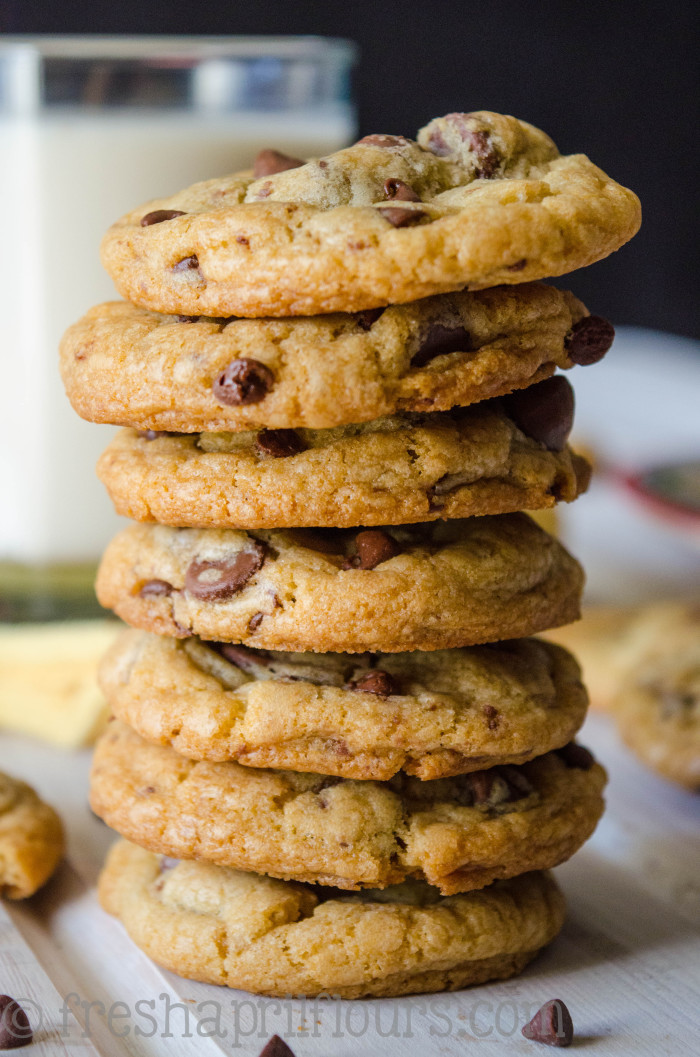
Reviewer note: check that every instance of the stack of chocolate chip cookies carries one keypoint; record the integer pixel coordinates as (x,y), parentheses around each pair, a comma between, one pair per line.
(339,763)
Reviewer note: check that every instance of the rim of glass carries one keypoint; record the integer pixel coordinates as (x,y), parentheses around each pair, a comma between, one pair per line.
(183,48)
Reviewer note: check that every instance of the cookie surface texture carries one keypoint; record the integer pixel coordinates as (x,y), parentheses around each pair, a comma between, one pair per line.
(457,833)
(479,200)
(127,366)
(281,938)
(431,714)
(430,586)
(31,839)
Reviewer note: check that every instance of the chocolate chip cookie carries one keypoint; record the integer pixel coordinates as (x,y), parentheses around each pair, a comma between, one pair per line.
(429,586)
(406,468)
(481,199)
(431,714)
(457,833)
(31,839)
(127,366)
(276,937)
(657,705)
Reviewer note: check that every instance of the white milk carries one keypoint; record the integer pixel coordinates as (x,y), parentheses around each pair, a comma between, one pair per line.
(65,176)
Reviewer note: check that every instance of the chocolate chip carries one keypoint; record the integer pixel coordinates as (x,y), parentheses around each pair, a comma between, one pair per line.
(518,266)
(400,217)
(373,548)
(518,785)
(188,319)
(266,190)
(439,341)
(577,756)
(230,575)
(255,622)
(155,589)
(159,215)
(551,1025)
(589,340)
(480,143)
(167,863)
(275,1047)
(243,657)
(544,411)
(272,161)
(15,1029)
(374,682)
(368,318)
(481,785)
(437,144)
(187,264)
(378,140)
(492,717)
(279,443)
(244,381)
(399,191)
(450,482)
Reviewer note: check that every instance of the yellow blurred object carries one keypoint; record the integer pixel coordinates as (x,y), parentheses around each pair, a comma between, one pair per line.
(48,685)
(546,519)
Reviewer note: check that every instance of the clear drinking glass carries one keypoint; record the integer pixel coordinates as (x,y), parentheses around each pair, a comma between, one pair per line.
(90,128)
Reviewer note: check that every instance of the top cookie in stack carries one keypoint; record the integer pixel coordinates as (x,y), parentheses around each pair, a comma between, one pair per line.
(326,371)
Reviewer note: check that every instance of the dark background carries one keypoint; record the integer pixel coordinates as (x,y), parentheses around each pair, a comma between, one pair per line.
(618,82)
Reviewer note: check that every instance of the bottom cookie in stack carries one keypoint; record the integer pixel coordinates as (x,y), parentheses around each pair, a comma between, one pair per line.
(282,938)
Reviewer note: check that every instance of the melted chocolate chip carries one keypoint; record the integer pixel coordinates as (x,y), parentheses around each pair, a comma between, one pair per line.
(399,191)
(167,863)
(188,319)
(15,1029)
(155,589)
(244,381)
(576,756)
(481,785)
(275,1047)
(373,548)
(437,144)
(374,682)
(378,140)
(279,443)
(368,318)
(551,1024)
(255,622)
(187,264)
(439,341)
(159,215)
(401,217)
(152,434)
(230,575)
(544,411)
(518,266)
(480,143)
(243,657)
(589,340)
(492,717)
(518,785)
(272,161)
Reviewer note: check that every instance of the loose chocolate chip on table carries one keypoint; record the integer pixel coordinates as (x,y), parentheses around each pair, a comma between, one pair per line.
(374,682)
(215,581)
(15,1029)
(159,215)
(399,191)
(551,1025)
(378,140)
(439,341)
(544,411)
(279,443)
(369,317)
(272,161)
(275,1047)
(576,756)
(401,217)
(244,381)
(187,264)
(155,589)
(243,657)
(589,340)
(373,548)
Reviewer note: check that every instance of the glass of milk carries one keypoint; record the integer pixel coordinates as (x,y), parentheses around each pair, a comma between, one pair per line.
(89,129)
